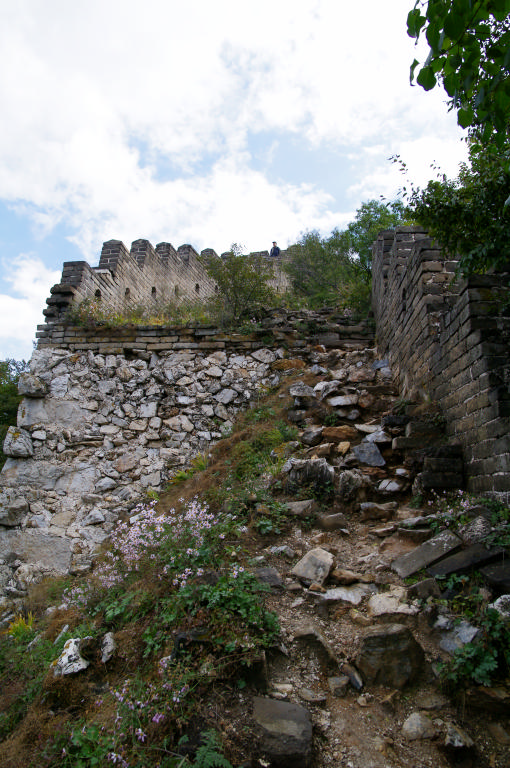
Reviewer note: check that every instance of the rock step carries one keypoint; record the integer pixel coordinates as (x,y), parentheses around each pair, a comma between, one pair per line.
(466,560)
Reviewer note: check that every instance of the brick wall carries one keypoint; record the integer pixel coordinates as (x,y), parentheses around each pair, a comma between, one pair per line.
(140,276)
(448,341)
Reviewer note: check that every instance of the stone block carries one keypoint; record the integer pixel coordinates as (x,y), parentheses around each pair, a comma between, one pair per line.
(498,576)
(285,733)
(426,554)
(389,655)
(467,560)
(314,567)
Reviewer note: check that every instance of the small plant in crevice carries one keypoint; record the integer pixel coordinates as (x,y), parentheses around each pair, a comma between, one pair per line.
(210,753)
(485,659)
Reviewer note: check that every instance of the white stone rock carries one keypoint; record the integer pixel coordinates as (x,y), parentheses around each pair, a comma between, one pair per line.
(343,400)
(59,386)
(70,660)
(314,567)
(214,371)
(108,647)
(391,602)
(95,517)
(502,606)
(226,396)
(18,443)
(264,356)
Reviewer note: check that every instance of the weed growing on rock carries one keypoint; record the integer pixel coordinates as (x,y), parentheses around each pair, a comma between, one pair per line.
(485,659)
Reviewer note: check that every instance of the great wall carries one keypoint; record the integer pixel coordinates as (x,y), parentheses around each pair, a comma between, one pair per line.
(109,414)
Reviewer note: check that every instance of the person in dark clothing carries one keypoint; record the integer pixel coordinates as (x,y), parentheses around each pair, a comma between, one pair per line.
(275,251)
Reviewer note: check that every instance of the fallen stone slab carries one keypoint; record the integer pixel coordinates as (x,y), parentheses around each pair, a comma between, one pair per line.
(494,700)
(338,685)
(456,737)
(345,576)
(426,554)
(419,725)
(467,560)
(391,602)
(372,511)
(285,732)
(317,645)
(498,576)
(424,589)
(269,576)
(350,594)
(333,522)
(458,636)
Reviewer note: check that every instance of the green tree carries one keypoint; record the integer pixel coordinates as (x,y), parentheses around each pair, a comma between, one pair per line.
(243,283)
(337,269)
(318,266)
(371,218)
(469,54)
(470,215)
(9,398)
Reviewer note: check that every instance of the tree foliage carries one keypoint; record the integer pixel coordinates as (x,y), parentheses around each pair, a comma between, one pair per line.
(318,266)
(470,215)
(337,269)
(469,54)
(9,398)
(243,283)
(371,217)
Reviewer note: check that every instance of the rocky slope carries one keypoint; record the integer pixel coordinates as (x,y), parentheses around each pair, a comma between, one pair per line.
(353,678)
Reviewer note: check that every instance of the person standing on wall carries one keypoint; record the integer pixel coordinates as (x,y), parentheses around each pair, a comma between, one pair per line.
(275,251)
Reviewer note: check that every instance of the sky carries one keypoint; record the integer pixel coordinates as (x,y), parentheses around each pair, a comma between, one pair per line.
(207,123)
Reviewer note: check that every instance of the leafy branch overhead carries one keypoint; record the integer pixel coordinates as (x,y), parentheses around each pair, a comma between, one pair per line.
(469,54)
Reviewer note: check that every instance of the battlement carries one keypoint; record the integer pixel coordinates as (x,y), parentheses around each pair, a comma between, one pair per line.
(141,275)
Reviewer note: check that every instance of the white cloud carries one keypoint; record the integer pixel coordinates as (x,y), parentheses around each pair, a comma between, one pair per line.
(130,121)
(87,83)
(22,312)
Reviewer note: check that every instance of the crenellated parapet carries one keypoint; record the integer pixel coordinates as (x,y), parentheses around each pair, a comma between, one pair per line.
(142,275)
(448,339)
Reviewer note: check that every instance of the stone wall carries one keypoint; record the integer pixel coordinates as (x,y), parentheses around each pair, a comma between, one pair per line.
(105,417)
(447,340)
(144,275)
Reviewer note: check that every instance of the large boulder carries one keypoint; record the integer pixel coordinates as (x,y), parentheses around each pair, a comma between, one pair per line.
(389,655)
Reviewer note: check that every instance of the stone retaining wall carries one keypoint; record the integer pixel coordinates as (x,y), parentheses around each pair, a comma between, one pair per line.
(447,340)
(108,415)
